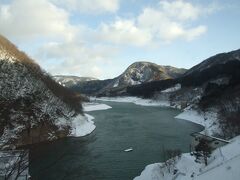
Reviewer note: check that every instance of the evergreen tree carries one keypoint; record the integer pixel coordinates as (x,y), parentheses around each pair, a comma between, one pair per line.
(203,150)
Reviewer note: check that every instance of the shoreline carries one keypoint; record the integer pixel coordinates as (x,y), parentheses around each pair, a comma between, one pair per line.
(91,106)
(83,125)
(186,165)
(207,120)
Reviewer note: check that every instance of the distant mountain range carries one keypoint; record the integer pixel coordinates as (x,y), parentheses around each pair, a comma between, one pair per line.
(214,80)
(145,79)
(212,84)
(137,73)
(71,80)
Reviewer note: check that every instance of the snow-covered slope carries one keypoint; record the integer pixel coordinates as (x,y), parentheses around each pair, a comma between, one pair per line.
(34,108)
(69,81)
(215,60)
(223,165)
(141,72)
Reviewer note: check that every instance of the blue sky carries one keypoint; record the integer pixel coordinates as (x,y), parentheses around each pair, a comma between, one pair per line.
(101,38)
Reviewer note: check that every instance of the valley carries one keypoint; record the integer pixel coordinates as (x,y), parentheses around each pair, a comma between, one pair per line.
(147,129)
(70,127)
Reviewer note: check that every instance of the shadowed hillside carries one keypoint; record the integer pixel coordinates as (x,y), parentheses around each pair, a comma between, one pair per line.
(34,108)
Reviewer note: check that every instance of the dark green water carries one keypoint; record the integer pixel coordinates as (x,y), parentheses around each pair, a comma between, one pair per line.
(100,155)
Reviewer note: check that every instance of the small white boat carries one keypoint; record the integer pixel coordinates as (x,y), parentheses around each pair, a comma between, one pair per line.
(128,150)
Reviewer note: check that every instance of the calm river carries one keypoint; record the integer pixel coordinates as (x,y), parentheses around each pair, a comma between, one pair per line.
(101,156)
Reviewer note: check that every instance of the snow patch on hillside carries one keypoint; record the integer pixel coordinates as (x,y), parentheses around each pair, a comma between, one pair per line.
(135,100)
(221,81)
(95,107)
(71,80)
(116,83)
(172,89)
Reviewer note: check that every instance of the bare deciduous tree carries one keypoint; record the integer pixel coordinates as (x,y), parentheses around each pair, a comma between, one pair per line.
(18,163)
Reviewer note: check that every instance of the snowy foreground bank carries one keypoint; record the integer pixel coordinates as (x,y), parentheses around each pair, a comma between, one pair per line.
(223,164)
(84,125)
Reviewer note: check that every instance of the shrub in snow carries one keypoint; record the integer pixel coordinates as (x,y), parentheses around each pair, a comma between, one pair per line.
(203,150)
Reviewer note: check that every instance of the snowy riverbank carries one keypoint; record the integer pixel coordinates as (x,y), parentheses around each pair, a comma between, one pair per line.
(135,100)
(223,164)
(207,120)
(84,125)
(95,107)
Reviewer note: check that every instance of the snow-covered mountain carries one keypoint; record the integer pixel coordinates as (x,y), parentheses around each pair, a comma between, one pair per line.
(69,81)
(137,73)
(221,58)
(141,72)
(34,107)
(221,70)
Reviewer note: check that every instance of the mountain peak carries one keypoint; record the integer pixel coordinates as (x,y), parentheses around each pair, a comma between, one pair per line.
(143,71)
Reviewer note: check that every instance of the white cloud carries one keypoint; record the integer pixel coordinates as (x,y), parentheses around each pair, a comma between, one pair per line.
(165,28)
(180,9)
(68,48)
(96,71)
(28,19)
(193,33)
(90,6)
(61,45)
(124,32)
(76,58)
(169,21)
